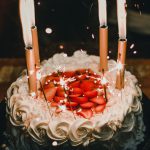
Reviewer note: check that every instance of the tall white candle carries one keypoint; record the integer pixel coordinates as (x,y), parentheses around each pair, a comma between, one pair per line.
(121,14)
(102,12)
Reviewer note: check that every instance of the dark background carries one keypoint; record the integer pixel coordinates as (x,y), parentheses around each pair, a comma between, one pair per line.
(73,22)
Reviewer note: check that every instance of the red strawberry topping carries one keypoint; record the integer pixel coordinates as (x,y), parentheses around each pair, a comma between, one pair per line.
(91,94)
(80,100)
(98,100)
(99,108)
(87,105)
(80,93)
(86,113)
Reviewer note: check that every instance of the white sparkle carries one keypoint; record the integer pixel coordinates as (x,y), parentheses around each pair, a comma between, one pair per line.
(33,94)
(132,46)
(48,30)
(87,27)
(39,3)
(38,75)
(93,36)
(119,66)
(134,52)
(104,81)
(55,143)
(62,107)
(61,46)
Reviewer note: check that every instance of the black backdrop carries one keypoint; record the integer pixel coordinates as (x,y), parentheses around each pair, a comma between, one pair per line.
(69,20)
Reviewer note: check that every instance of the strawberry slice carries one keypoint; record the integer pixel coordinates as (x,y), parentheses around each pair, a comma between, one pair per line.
(58,110)
(72,104)
(99,108)
(49,85)
(60,91)
(91,94)
(80,100)
(87,105)
(74,84)
(68,74)
(76,91)
(87,85)
(50,93)
(81,77)
(74,95)
(52,78)
(54,104)
(86,113)
(98,100)
(57,99)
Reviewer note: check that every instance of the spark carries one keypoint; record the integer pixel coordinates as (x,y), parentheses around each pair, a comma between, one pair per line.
(38,75)
(87,27)
(119,66)
(104,81)
(39,3)
(132,46)
(135,52)
(93,37)
(61,46)
(33,94)
(48,30)
(62,107)
(62,82)
(55,143)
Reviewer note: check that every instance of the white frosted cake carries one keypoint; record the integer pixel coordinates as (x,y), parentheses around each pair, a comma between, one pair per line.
(74,109)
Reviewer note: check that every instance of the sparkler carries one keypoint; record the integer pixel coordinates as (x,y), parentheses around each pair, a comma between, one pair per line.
(122,42)
(103,35)
(30,59)
(104,82)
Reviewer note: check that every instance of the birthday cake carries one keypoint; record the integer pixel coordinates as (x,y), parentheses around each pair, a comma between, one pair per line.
(76,106)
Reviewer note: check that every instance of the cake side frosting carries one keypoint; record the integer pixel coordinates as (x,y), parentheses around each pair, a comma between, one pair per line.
(42,123)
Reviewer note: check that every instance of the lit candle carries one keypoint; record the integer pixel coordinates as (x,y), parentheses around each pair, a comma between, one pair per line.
(103,35)
(34,33)
(30,58)
(122,42)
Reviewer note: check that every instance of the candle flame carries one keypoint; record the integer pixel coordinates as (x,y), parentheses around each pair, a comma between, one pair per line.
(102,12)
(24,16)
(27,17)
(32,12)
(121,13)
